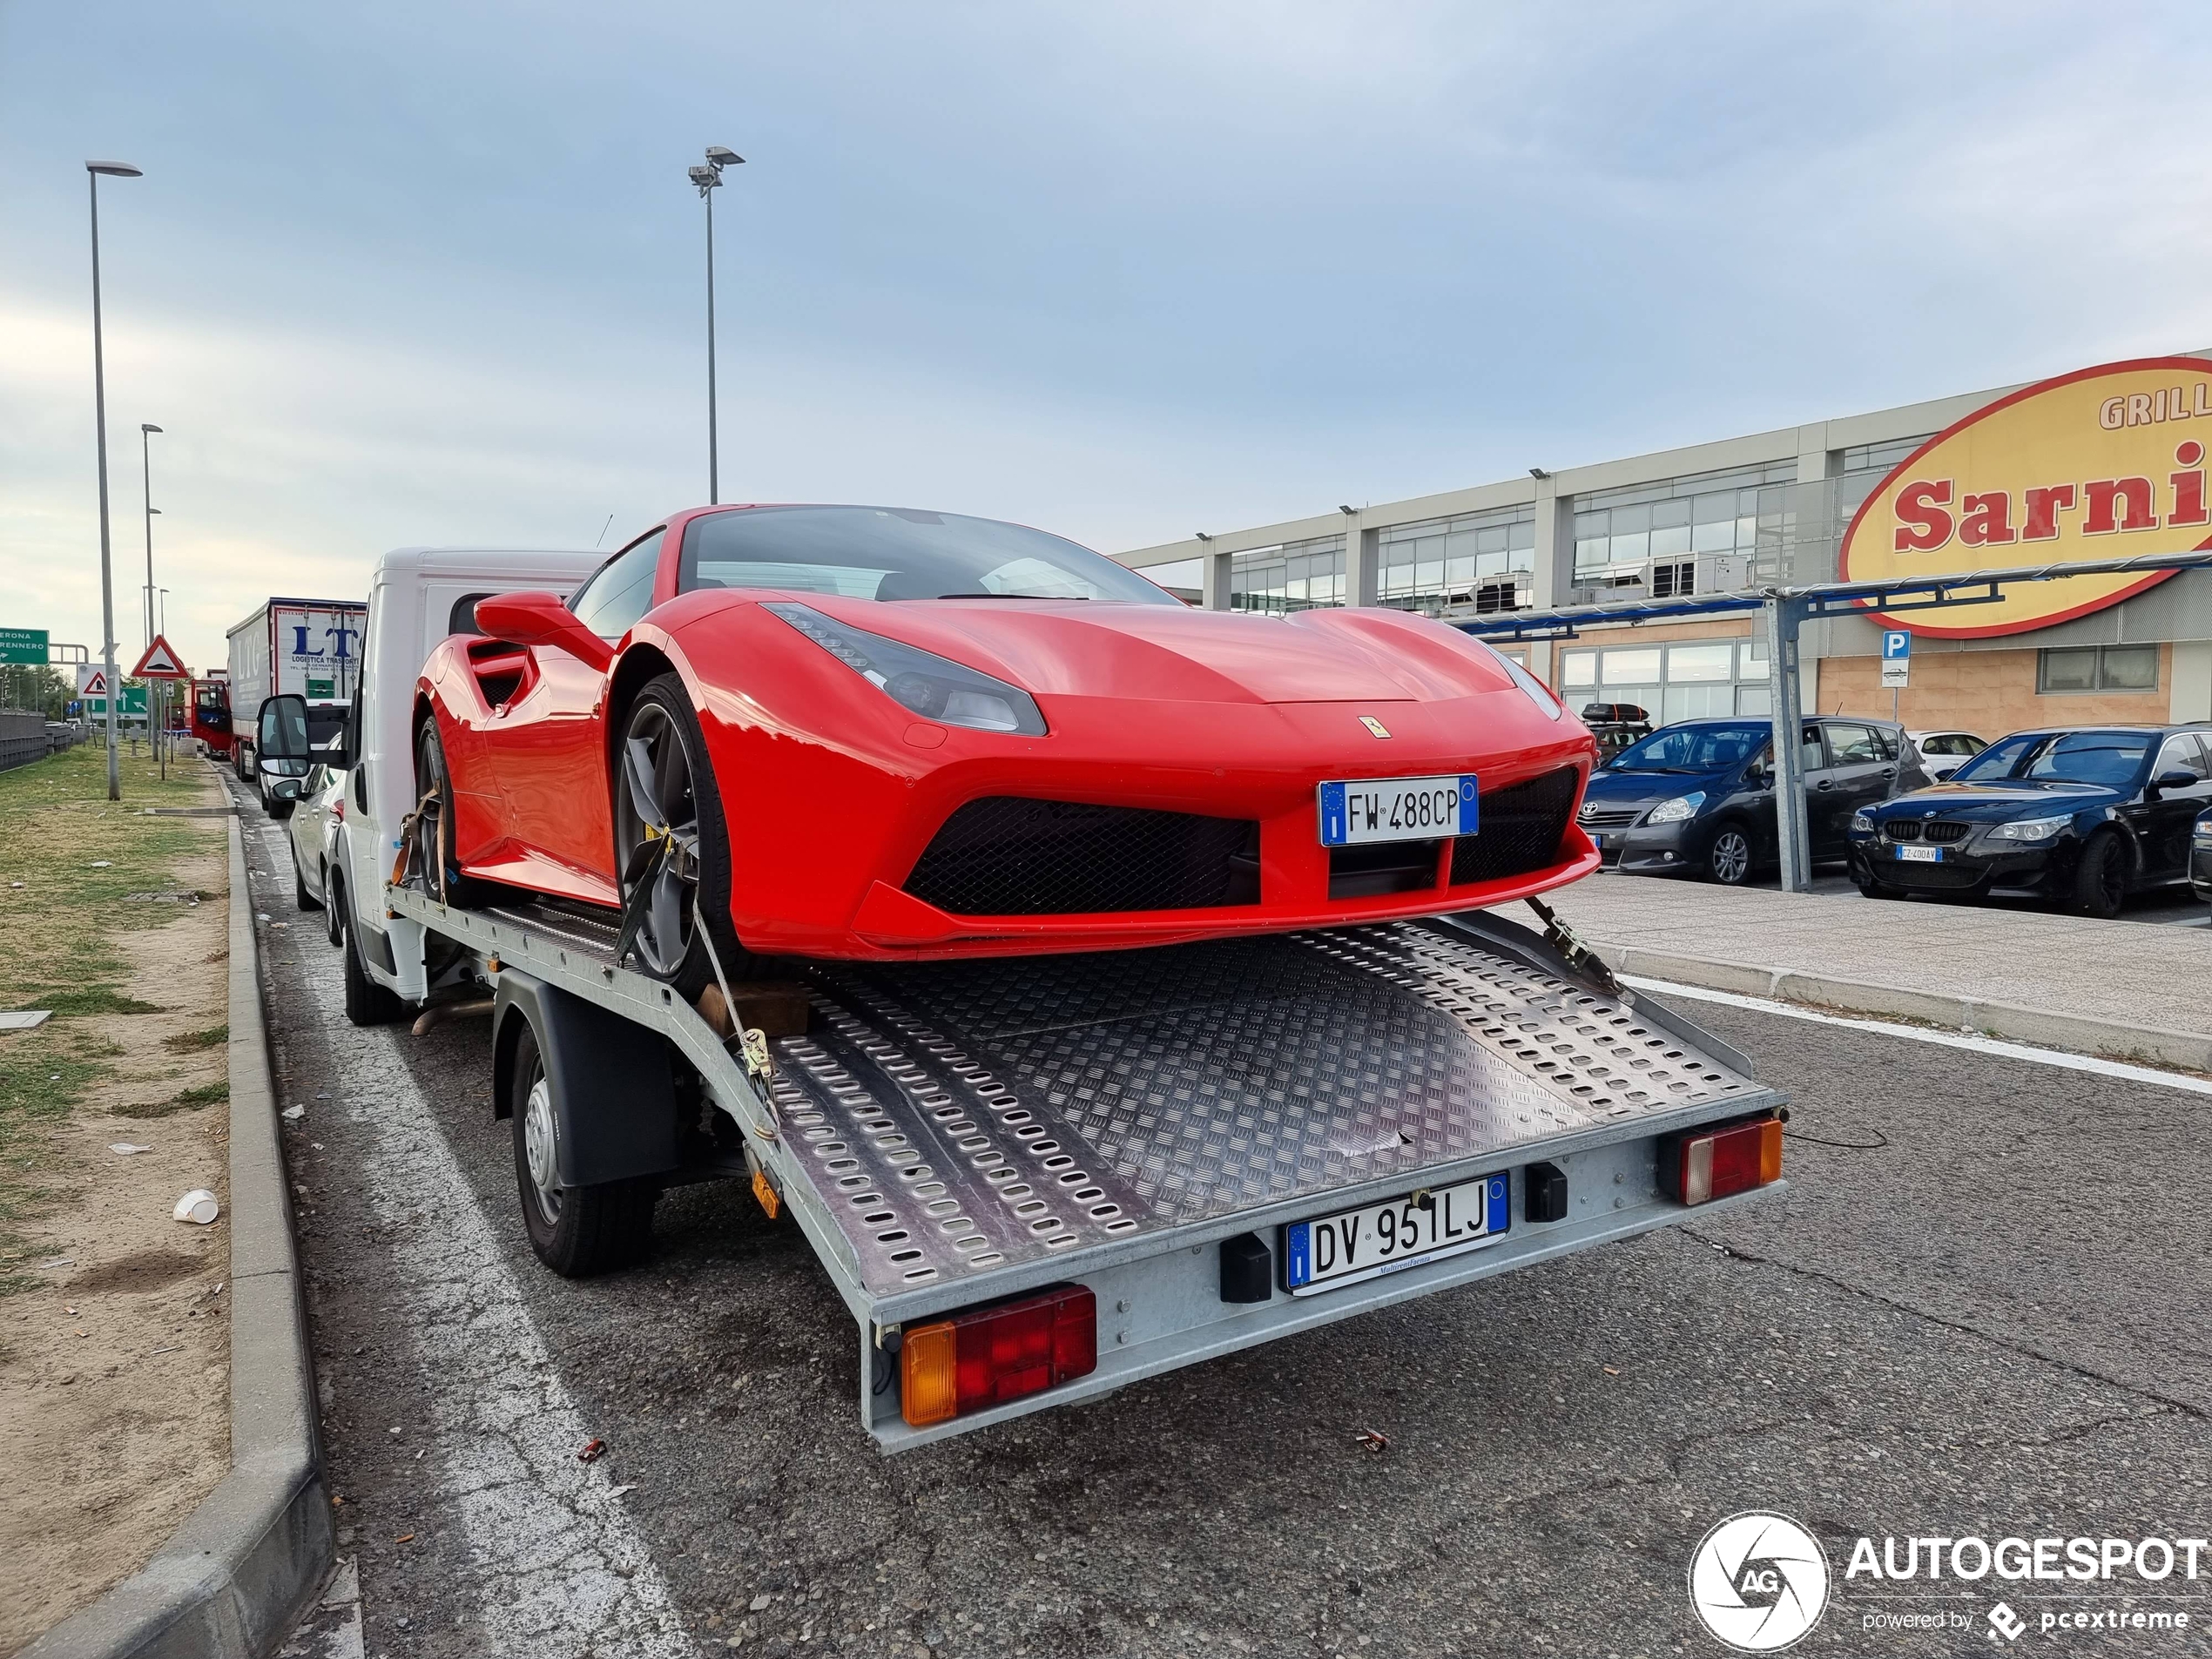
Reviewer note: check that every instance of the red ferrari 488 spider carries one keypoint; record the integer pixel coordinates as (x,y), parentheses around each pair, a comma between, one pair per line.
(873,732)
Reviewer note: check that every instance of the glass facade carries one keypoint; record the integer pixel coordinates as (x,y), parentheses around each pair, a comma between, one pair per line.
(1710,532)
(1297,576)
(1864,466)
(1482,561)
(1688,680)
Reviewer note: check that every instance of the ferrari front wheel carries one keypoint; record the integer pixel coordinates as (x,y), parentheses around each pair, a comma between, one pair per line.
(672,846)
(432,859)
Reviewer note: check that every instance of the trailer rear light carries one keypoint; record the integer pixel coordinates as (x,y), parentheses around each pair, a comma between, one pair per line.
(987,1356)
(1716,1163)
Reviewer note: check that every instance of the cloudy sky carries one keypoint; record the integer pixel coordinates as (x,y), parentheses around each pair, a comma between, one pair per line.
(431,272)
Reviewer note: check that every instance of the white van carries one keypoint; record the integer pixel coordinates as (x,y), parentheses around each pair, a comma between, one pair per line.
(417,597)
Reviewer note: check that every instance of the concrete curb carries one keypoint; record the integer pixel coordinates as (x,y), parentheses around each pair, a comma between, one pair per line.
(231,1579)
(2146,1045)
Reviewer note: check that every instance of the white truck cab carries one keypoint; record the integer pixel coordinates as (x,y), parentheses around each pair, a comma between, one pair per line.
(416,599)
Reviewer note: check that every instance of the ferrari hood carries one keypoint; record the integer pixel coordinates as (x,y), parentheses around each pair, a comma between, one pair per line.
(1084,648)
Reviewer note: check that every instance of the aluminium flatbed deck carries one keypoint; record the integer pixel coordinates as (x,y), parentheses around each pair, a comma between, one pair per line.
(951,1133)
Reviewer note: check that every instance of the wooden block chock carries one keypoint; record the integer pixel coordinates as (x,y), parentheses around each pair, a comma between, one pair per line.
(774,1008)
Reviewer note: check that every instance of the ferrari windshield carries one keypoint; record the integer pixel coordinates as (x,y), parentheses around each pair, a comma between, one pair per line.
(897,553)
(2108,758)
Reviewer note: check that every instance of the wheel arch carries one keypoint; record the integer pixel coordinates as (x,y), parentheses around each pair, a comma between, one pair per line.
(640,665)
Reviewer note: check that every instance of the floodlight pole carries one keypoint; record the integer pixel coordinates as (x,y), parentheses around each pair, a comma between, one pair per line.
(708,178)
(92,171)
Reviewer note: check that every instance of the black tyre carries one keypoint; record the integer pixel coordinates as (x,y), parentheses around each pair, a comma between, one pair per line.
(1870,888)
(432,861)
(1727,860)
(577,1231)
(300,896)
(673,845)
(332,929)
(2100,878)
(366,1003)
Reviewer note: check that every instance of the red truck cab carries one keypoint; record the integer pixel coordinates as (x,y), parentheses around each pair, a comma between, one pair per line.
(211,714)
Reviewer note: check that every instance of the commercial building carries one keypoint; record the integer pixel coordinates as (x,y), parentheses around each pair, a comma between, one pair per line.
(1779,507)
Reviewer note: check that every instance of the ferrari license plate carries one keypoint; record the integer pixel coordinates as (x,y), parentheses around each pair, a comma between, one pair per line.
(1398,809)
(1352,1244)
(1920,855)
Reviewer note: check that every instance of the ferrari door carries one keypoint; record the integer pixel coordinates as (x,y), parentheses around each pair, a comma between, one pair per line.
(550,744)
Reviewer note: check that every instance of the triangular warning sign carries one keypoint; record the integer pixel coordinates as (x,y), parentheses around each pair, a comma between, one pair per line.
(92,681)
(160,664)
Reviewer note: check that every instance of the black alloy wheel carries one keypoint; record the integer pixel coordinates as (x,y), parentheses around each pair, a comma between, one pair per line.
(2100,878)
(1729,859)
(431,862)
(672,846)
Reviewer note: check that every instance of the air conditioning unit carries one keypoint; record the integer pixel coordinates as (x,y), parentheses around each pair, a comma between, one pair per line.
(1723,572)
(1673,579)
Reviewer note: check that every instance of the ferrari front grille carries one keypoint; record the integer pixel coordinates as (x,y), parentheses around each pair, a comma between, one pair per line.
(1521,828)
(1008,856)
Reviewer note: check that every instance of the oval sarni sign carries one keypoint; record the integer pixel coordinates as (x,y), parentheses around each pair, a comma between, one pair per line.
(2104,463)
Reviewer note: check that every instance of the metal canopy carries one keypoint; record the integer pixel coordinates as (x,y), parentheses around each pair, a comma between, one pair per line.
(1787,610)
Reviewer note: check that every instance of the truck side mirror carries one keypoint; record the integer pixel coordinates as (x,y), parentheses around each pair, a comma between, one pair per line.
(540,619)
(281,732)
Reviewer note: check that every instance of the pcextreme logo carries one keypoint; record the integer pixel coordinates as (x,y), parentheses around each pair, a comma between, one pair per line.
(1759,1582)
(2104,463)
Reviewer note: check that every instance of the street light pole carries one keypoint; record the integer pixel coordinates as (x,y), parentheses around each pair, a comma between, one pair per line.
(145,467)
(709,179)
(113,170)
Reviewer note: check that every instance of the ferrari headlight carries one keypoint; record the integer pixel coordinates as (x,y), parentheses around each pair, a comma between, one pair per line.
(1681,806)
(930,685)
(1532,688)
(2031,829)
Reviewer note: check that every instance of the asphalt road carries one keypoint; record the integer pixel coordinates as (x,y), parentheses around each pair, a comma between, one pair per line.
(1980,1308)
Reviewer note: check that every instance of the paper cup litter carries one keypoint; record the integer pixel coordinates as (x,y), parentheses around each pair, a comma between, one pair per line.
(198,1205)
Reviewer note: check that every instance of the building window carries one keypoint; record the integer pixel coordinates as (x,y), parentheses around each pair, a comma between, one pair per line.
(1708,533)
(1694,680)
(1297,576)
(1483,562)
(2096,668)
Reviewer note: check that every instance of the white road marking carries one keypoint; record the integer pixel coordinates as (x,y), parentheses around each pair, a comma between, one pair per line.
(554,1566)
(1941,1039)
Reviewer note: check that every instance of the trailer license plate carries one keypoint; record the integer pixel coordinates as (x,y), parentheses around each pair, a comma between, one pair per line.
(1398,809)
(1353,1244)
(1920,855)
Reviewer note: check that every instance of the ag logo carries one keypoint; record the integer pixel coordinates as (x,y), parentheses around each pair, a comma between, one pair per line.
(1759,1582)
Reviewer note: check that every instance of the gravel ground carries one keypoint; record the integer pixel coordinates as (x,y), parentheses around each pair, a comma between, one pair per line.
(1980,1309)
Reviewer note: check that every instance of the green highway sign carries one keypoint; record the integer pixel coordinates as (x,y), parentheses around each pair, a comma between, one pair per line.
(22,646)
(134,704)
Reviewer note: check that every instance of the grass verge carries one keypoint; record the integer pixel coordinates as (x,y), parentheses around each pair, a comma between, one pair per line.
(70,859)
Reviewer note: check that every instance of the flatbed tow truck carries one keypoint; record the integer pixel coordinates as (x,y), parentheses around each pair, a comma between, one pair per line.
(1035,1180)
(1215,1144)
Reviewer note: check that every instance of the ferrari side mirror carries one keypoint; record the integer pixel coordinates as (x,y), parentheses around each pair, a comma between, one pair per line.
(538,619)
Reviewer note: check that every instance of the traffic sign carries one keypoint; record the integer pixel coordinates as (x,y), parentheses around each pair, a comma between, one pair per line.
(91,680)
(24,645)
(1896,657)
(133,705)
(160,664)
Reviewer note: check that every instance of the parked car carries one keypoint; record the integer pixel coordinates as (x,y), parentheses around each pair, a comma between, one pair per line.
(311,831)
(1615,726)
(1697,797)
(2084,815)
(2201,855)
(951,736)
(1943,752)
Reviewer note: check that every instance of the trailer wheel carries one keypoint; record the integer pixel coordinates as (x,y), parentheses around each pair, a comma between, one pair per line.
(577,1231)
(366,1003)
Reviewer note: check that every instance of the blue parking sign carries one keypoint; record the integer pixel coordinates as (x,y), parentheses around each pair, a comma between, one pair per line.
(1897,645)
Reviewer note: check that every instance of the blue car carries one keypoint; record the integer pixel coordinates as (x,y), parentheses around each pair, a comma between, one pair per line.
(1696,798)
(2081,815)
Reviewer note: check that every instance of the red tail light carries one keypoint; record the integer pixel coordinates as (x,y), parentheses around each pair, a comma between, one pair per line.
(988,1356)
(1715,1163)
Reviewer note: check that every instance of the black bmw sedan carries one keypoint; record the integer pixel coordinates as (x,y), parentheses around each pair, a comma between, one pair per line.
(2082,815)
